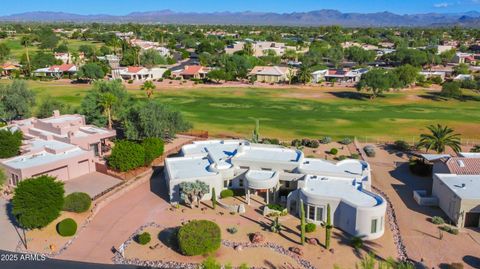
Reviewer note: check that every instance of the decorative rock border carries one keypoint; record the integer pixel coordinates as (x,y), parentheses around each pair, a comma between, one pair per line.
(392,220)
(120,259)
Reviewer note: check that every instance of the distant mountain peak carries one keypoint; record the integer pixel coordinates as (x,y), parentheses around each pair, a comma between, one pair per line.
(311,18)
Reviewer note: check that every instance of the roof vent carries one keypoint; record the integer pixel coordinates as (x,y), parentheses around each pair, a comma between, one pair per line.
(460,163)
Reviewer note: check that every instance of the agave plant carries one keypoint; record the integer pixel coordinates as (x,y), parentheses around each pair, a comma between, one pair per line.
(439,138)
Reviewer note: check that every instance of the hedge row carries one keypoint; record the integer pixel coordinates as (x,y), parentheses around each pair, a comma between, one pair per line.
(127,155)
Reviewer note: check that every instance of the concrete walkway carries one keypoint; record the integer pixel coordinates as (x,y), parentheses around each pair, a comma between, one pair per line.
(9,236)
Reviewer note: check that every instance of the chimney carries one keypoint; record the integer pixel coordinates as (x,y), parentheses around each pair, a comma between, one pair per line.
(56,113)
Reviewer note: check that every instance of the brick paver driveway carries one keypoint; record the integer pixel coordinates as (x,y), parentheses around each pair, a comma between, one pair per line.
(116,221)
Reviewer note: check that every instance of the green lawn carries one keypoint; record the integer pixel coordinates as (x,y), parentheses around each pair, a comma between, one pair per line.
(297,113)
(17,50)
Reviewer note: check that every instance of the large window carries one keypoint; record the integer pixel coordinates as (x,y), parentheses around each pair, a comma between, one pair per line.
(374,226)
(314,213)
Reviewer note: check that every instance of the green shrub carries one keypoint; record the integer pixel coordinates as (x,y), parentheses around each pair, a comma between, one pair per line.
(369,150)
(455,265)
(313,144)
(355,156)
(126,155)
(438,220)
(310,227)
(10,143)
(67,227)
(37,201)
(333,151)
(77,202)
(153,148)
(130,81)
(449,229)
(475,149)
(451,90)
(199,237)
(296,143)
(232,230)
(276,207)
(346,141)
(226,193)
(341,157)
(143,238)
(211,263)
(401,145)
(326,140)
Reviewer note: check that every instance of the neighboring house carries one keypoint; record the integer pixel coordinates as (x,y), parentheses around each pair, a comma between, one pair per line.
(319,76)
(463,77)
(283,175)
(345,75)
(271,74)
(443,48)
(191,71)
(431,74)
(62,146)
(147,45)
(456,185)
(462,58)
(112,60)
(56,71)
(261,48)
(67,58)
(138,73)
(7,69)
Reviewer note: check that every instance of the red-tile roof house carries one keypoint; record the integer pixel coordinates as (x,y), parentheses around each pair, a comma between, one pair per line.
(57,70)
(192,71)
(457,165)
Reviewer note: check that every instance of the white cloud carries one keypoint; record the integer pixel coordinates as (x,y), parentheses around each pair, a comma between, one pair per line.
(442,5)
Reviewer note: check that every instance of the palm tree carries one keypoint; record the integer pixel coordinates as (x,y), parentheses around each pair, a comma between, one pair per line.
(107,100)
(26,41)
(440,138)
(304,74)
(148,87)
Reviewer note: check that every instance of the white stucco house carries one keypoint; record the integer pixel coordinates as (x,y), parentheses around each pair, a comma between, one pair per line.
(283,175)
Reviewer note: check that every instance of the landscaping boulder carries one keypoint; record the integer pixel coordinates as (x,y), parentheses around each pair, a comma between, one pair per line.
(296,250)
(257,238)
(312,241)
(241,209)
(238,248)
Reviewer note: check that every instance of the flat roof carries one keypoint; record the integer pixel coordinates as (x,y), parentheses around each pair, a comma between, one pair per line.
(61,119)
(260,174)
(347,168)
(337,187)
(465,186)
(276,154)
(41,158)
(35,144)
(200,147)
(188,167)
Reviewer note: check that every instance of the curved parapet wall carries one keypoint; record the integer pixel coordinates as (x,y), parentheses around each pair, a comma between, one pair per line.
(355,209)
(258,179)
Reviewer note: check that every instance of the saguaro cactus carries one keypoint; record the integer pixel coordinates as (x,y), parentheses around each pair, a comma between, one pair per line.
(256,134)
(328,228)
(302,222)
(214,199)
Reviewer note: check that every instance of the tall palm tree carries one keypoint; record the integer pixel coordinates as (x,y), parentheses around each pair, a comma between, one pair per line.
(439,138)
(26,41)
(107,101)
(148,87)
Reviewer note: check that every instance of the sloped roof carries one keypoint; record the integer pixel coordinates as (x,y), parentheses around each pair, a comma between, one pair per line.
(464,166)
(134,69)
(61,68)
(192,69)
(269,70)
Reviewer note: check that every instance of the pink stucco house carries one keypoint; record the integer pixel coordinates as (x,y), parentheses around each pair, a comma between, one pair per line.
(62,146)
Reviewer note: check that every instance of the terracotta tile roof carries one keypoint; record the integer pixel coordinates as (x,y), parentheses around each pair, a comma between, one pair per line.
(134,69)
(192,69)
(464,166)
(62,67)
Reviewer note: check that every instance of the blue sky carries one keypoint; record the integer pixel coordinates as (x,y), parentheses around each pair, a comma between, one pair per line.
(119,7)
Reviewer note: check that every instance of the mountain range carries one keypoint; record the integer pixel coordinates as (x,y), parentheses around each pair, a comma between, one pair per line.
(311,18)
